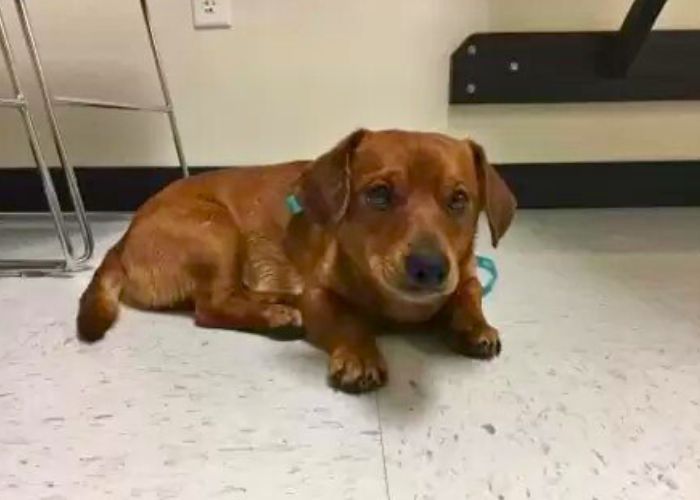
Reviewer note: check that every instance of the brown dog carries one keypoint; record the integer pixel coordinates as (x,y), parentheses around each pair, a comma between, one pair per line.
(386,233)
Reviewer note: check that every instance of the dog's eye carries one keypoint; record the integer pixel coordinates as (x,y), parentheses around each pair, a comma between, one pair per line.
(458,201)
(379,196)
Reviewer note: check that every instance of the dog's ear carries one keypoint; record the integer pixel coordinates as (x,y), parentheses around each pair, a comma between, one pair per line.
(496,198)
(324,191)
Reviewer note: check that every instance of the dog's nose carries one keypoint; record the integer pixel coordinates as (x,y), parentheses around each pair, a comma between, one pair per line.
(427,269)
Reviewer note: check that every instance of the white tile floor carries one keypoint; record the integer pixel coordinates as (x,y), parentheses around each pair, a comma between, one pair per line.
(596,395)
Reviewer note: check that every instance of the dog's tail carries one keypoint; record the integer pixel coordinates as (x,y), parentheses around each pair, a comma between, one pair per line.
(99,304)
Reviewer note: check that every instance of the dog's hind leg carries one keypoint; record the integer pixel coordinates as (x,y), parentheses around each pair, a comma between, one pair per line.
(221,302)
(238,313)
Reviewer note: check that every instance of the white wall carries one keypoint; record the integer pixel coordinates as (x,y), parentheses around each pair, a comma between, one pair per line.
(293,76)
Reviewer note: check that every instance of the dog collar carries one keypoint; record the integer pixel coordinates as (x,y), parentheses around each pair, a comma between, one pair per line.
(293,205)
(488,265)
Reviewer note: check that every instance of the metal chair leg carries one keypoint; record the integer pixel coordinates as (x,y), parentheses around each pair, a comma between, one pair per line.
(19,267)
(72,258)
(164,88)
(167,108)
(72,182)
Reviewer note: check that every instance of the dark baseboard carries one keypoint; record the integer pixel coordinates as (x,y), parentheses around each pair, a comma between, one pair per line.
(605,184)
(547,185)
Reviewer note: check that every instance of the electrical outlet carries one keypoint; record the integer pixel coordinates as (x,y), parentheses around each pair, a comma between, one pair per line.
(208,14)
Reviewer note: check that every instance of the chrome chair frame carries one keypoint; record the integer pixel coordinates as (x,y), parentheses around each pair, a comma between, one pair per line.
(72,260)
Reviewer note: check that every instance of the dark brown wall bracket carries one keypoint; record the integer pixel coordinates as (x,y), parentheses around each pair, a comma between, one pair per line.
(635,63)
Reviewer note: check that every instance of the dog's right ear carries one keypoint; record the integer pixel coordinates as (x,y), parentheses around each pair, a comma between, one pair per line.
(497,199)
(324,191)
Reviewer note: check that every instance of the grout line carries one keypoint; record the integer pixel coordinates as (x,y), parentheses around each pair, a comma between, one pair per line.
(381,441)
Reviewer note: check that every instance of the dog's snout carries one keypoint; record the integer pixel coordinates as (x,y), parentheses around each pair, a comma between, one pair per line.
(427,269)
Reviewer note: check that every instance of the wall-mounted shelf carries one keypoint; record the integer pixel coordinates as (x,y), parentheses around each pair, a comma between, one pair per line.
(632,64)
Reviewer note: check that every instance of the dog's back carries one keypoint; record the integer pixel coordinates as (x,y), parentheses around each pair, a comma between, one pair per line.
(206,235)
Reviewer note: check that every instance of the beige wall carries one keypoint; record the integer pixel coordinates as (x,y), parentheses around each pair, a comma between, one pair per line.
(292,76)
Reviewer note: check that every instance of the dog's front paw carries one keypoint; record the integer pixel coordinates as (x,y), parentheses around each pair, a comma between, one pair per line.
(279,316)
(355,371)
(483,343)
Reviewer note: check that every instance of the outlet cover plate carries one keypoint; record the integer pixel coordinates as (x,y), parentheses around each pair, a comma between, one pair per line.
(211,14)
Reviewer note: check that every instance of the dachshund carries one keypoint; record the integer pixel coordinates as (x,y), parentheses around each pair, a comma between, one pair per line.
(380,229)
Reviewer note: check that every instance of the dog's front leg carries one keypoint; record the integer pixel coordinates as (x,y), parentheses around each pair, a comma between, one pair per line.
(356,364)
(468,331)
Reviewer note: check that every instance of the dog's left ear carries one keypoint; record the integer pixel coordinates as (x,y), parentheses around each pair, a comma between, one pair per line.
(497,200)
(325,188)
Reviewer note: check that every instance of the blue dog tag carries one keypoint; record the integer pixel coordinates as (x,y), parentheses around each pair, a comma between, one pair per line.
(488,265)
(293,205)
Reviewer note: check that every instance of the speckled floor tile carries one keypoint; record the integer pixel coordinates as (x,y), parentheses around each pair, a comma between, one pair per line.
(596,394)
(163,410)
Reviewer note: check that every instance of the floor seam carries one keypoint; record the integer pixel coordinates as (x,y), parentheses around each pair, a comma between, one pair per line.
(381,442)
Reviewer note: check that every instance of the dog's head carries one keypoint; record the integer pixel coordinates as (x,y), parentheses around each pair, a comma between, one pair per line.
(403,209)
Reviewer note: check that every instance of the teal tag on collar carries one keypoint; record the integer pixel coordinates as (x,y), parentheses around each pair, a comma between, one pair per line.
(488,265)
(293,205)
